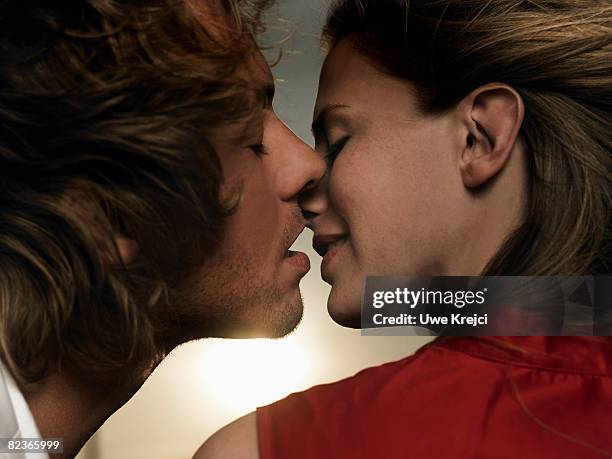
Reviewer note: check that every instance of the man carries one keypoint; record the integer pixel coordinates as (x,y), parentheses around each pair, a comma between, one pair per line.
(148,197)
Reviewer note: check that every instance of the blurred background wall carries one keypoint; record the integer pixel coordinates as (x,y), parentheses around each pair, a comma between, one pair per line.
(204,385)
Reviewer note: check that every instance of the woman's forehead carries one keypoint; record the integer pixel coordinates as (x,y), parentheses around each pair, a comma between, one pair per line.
(350,78)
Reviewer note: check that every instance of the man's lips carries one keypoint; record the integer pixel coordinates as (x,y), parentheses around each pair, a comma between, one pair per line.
(290,240)
(298,259)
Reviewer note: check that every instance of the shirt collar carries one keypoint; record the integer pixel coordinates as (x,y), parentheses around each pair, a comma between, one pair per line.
(16,420)
(576,354)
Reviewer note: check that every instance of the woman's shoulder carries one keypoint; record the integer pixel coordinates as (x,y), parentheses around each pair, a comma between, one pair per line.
(450,388)
(399,388)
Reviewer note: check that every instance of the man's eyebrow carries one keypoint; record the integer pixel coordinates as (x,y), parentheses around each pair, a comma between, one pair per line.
(318,124)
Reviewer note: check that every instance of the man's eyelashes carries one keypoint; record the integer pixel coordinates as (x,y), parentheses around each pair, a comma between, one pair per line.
(259,149)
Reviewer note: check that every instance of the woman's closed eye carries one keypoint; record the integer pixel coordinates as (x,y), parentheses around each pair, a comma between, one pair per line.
(335,149)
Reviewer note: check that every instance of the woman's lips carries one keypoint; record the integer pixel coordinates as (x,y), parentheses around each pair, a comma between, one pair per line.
(331,254)
(328,247)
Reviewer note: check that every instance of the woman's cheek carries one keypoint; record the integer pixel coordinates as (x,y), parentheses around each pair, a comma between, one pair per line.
(342,188)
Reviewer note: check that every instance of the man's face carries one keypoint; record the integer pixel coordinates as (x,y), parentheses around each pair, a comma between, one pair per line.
(249,285)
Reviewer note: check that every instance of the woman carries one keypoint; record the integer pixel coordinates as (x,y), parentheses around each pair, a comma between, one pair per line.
(463,137)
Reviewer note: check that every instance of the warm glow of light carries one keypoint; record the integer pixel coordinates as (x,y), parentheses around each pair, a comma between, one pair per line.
(245,374)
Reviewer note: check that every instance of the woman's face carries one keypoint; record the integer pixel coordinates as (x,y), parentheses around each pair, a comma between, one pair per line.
(393,202)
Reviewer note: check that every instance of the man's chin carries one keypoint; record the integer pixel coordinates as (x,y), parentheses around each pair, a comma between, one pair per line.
(276,331)
(258,318)
(276,327)
(276,321)
(225,308)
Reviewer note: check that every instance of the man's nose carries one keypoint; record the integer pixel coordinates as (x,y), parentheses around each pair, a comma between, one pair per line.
(303,171)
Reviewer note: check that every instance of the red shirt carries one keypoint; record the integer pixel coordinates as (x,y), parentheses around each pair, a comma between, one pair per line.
(495,398)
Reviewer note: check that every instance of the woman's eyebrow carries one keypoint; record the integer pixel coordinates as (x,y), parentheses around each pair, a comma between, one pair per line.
(318,125)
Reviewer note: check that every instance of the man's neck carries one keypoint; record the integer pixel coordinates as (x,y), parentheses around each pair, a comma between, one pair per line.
(72,408)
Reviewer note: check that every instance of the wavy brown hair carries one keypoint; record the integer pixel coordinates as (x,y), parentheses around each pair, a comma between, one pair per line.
(558,55)
(105,112)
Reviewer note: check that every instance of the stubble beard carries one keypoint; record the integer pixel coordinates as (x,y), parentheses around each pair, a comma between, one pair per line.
(229,298)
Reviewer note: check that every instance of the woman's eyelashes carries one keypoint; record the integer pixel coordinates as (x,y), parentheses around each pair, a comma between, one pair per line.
(335,149)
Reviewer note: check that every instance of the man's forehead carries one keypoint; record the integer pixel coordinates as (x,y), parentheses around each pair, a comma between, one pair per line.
(257,73)
(210,8)
(217,17)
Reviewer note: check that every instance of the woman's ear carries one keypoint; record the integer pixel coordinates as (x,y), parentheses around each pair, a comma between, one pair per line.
(491,116)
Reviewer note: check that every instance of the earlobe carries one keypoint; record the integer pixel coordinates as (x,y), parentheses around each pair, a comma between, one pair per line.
(127,250)
(113,245)
(492,115)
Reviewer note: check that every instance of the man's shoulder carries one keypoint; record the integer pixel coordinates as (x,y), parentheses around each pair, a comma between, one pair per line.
(237,440)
